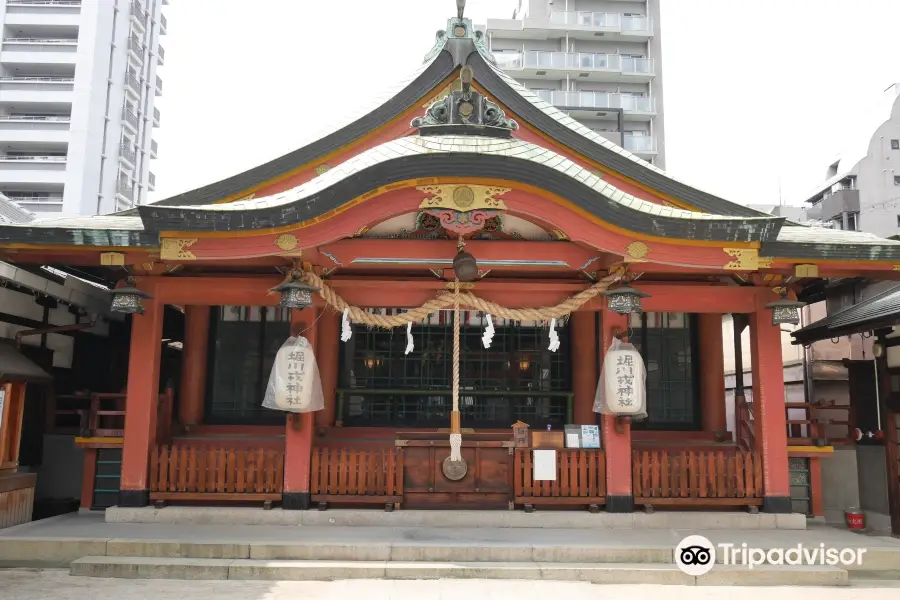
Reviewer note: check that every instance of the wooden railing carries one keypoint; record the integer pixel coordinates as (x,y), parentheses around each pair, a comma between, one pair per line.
(357,476)
(210,473)
(580,478)
(697,477)
(819,423)
(102,415)
(745,425)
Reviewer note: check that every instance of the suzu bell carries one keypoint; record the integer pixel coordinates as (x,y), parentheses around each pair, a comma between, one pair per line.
(128,300)
(625,300)
(785,311)
(296,294)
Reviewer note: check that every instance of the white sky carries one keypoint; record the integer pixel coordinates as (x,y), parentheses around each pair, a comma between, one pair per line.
(755,90)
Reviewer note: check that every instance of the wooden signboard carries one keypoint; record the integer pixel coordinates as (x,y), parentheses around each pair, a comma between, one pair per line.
(548,439)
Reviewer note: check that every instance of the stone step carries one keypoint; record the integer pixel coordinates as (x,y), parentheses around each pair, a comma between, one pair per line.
(497,519)
(320,570)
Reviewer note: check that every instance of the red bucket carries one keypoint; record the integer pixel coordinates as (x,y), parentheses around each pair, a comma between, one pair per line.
(856,519)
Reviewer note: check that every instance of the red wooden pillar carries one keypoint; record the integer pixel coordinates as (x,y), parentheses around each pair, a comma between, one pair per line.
(616,444)
(768,403)
(88,476)
(329,343)
(141,403)
(299,431)
(584,365)
(193,369)
(712,373)
(816,501)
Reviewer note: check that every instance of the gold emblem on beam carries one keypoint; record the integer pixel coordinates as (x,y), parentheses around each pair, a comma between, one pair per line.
(765,262)
(112,259)
(177,249)
(287,242)
(322,169)
(558,234)
(806,270)
(637,250)
(463,198)
(745,259)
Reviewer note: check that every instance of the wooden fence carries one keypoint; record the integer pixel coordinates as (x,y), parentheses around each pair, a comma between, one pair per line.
(697,477)
(355,476)
(580,478)
(210,473)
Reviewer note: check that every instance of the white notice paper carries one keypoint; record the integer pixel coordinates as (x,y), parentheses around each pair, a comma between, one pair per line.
(544,465)
(572,440)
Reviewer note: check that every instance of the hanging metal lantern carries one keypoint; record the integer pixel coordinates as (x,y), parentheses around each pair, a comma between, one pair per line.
(296,294)
(465,267)
(128,300)
(625,300)
(785,311)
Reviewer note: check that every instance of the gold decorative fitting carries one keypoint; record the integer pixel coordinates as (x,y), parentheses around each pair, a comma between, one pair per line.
(463,198)
(637,250)
(361,231)
(322,169)
(558,234)
(176,249)
(745,259)
(112,259)
(806,270)
(287,242)
(765,262)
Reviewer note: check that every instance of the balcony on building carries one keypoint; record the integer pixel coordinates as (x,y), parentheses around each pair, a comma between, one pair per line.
(28,126)
(39,44)
(132,83)
(42,12)
(642,145)
(614,136)
(158,86)
(162,24)
(156,117)
(127,155)
(161,55)
(840,205)
(130,120)
(154,148)
(35,198)
(151,181)
(585,66)
(571,24)
(136,48)
(22,84)
(125,191)
(586,104)
(138,16)
(38,163)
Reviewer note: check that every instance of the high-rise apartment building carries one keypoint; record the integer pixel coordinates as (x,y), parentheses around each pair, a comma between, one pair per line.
(78,80)
(598,60)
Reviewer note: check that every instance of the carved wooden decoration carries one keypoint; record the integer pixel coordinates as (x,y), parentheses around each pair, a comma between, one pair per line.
(177,249)
(463,198)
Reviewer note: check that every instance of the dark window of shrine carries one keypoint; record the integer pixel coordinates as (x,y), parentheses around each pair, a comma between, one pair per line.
(243,343)
(669,345)
(517,378)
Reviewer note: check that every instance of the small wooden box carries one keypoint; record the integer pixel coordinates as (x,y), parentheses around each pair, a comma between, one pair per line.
(548,439)
(520,434)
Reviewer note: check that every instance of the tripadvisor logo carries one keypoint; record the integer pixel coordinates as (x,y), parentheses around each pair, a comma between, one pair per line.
(695,555)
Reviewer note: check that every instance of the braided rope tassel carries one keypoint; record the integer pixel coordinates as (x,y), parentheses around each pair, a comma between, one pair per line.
(455,431)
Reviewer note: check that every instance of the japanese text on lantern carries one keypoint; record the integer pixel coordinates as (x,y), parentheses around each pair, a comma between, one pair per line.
(296,375)
(625,390)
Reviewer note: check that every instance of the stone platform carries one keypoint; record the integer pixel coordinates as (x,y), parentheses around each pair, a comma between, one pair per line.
(89,546)
(183,515)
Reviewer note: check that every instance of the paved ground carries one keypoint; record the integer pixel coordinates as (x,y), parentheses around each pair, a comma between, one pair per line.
(26,584)
(92,525)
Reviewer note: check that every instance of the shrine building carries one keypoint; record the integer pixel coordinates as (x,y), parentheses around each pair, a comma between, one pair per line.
(467,195)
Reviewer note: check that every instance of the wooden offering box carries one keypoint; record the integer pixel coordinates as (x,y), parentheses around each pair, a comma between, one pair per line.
(548,439)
